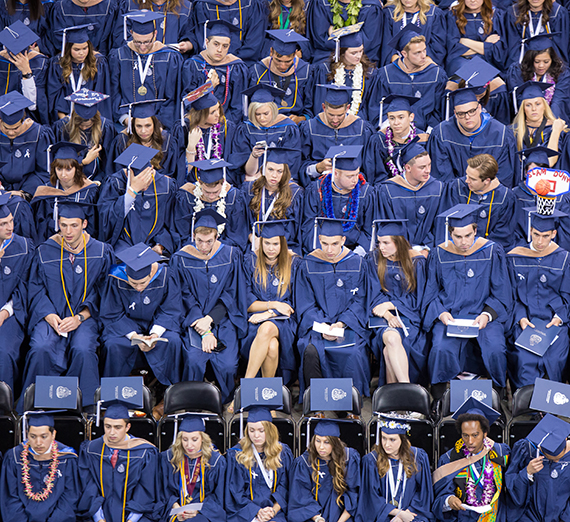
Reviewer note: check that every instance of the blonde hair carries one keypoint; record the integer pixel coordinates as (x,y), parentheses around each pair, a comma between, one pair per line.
(415,40)
(254,106)
(178,452)
(272,448)
(283,269)
(76,135)
(519,123)
(424,6)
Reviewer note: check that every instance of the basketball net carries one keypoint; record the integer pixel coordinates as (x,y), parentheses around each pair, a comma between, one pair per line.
(545,205)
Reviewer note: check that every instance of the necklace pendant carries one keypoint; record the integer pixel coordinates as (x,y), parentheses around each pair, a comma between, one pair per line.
(142,90)
(395,503)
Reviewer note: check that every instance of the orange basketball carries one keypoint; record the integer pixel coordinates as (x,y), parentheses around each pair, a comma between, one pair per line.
(542,187)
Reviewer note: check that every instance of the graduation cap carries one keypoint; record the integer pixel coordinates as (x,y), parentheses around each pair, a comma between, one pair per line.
(136,157)
(192,423)
(541,42)
(345,37)
(140,109)
(139,260)
(331,394)
(12,107)
(120,394)
(476,407)
(85,102)
(399,102)
(142,22)
(17,37)
(285,41)
(78,34)
(538,155)
(39,418)
(208,218)
(279,155)
(4,208)
(329,227)
(459,216)
(549,435)
(528,91)
(336,94)
(404,36)
(219,28)
(388,227)
(460,391)
(259,396)
(199,99)
(393,426)
(463,96)
(345,157)
(327,428)
(262,93)
(66,150)
(269,229)
(477,72)
(542,222)
(409,151)
(72,209)
(211,170)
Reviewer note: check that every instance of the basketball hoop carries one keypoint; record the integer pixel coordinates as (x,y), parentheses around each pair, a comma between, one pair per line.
(547,184)
(545,205)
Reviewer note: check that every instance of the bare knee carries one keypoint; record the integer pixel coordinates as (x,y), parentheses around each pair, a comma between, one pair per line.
(267,330)
(273,350)
(391,340)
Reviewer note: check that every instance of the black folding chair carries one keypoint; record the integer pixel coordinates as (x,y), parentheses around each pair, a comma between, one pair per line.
(523,419)
(8,420)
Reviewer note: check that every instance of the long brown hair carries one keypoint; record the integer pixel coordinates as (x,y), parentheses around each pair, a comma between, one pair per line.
(197,118)
(283,201)
(523,7)
(486,14)
(156,141)
(76,135)
(282,270)
(405,260)
(337,465)
(172,6)
(367,65)
(297,17)
(178,453)
(272,448)
(405,456)
(36,8)
(78,178)
(89,70)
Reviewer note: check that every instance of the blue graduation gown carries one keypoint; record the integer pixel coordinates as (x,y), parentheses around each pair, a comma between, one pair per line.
(145,222)
(249,15)
(23,216)
(315,96)
(427,84)
(57,89)
(285,133)
(303,505)
(397,199)
(235,230)
(495,53)
(242,484)
(14,273)
(446,486)
(186,173)
(294,213)
(451,149)
(204,285)
(125,310)
(43,206)
(287,327)
(26,159)
(61,504)
(142,485)
(214,482)
(465,286)
(104,37)
(408,305)
(39,26)
(320,18)
(11,80)
(494,221)
(360,232)
(373,504)
(317,138)
(558,20)
(331,292)
(172,28)
(163,82)
(234,78)
(50,353)
(546,497)
(169,151)
(541,289)
(96,170)
(434,30)
(294,83)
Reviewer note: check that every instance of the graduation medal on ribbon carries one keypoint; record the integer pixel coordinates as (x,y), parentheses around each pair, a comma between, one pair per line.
(142,90)
(395,503)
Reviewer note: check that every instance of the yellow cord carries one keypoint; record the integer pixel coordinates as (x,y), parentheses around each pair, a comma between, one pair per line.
(296,88)
(489,217)
(63,280)
(101,470)
(126,481)
(250,488)
(155,210)
(240,20)
(8,80)
(318,476)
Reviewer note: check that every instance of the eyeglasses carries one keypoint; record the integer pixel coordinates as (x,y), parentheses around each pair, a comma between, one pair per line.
(465,114)
(146,42)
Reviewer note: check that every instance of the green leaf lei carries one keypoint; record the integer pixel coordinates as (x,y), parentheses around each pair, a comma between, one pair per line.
(352,10)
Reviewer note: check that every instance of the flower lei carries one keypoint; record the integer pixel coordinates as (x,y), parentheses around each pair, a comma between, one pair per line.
(548,93)
(391,147)
(357,77)
(39,497)
(220,205)
(216,145)
(325,194)
(352,11)
(487,478)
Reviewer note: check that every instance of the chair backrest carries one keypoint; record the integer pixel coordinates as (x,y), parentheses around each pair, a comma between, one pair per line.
(193,396)
(521,400)
(6,398)
(287,400)
(29,397)
(402,396)
(356,402)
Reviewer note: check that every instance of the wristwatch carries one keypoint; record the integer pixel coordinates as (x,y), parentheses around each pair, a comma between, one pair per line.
(27,76)
(81,317)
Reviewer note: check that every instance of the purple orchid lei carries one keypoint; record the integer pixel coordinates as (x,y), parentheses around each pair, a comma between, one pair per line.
(487,477)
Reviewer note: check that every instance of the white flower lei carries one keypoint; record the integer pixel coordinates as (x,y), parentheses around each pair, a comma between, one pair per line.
(357,76)
(220,205)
